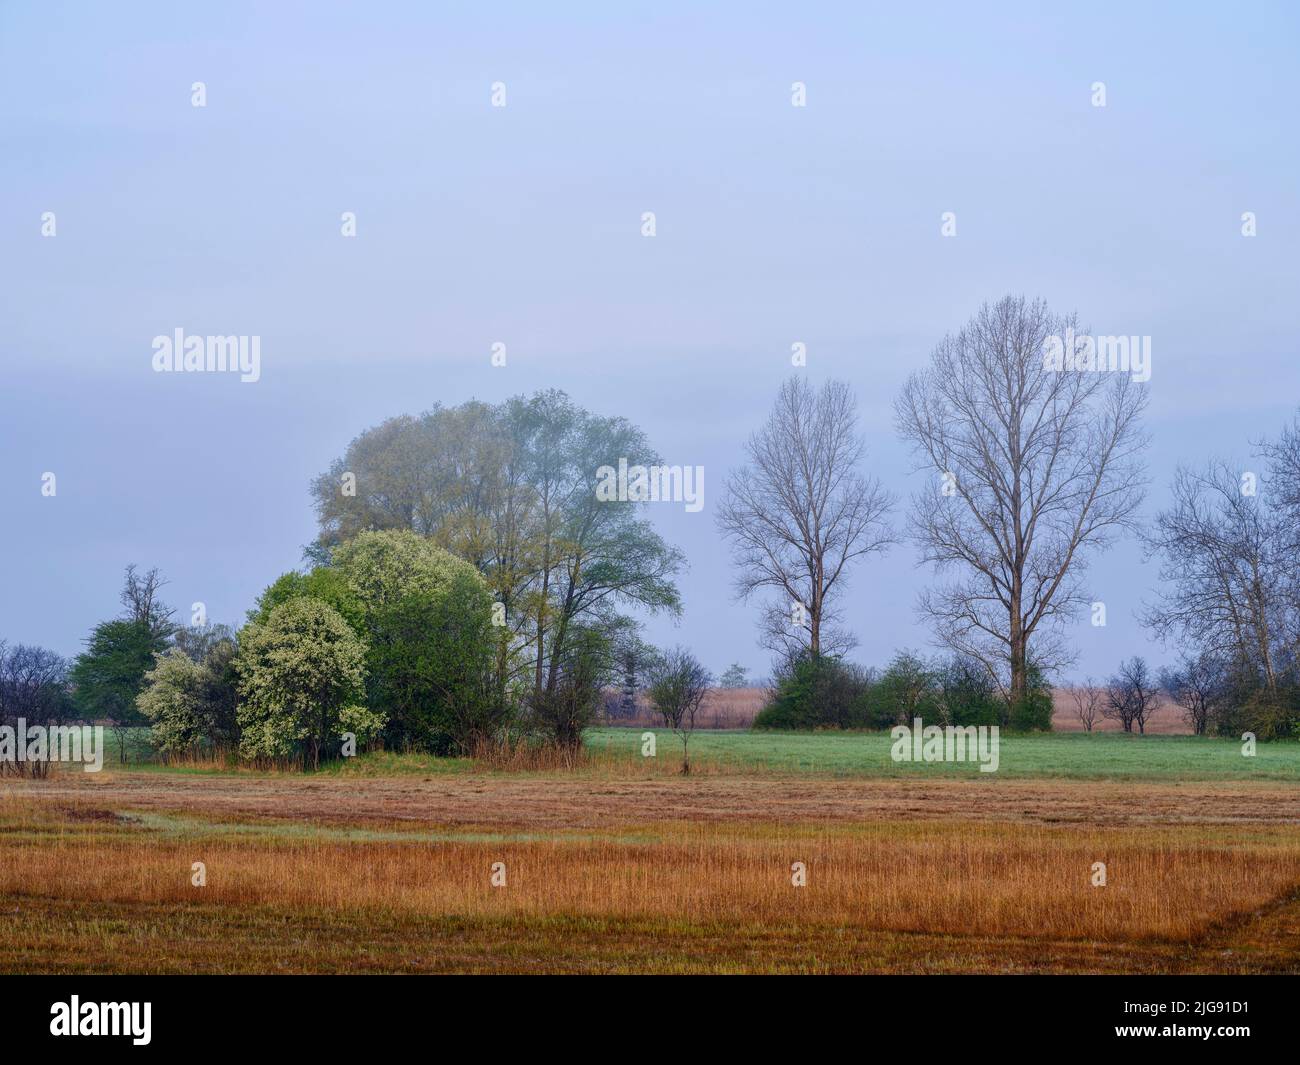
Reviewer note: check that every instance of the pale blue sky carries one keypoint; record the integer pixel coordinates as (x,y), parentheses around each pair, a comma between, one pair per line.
(478,224)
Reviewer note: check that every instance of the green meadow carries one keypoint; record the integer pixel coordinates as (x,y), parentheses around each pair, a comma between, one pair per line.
(1078,755)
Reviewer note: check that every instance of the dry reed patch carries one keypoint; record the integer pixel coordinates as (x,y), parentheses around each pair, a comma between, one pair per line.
(935,878)
(723,708)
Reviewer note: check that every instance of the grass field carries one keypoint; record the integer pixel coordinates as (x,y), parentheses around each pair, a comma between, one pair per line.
(1075,755)
(622,865)
(1097,755)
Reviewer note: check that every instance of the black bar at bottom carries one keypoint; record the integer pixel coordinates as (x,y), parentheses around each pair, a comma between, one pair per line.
(337,1013)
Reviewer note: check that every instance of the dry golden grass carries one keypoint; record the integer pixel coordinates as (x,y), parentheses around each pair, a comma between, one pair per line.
(956,880)
(520,755)
(722,708)
(645,873)
(1165,720)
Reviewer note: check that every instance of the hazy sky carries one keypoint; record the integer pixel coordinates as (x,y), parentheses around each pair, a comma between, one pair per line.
(478,224)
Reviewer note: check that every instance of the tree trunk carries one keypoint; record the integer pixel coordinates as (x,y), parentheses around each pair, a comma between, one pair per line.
(541,628)
(815,614)
(1019,655)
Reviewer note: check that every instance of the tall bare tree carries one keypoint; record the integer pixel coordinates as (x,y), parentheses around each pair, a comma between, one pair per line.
(1033,469)
(801,513)
(1284,472)
(1283,490)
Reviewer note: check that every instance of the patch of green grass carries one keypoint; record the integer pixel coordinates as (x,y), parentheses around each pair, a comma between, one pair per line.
(1098,755)
(196,826)
(1073,755)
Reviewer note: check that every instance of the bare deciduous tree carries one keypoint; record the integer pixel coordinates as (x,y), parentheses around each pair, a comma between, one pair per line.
(1224,564)
(1283,489)
(1199,685)
(143,606)
(1033,469)
(1087,698)
(678,684)
(1284,474)
(33,689)
(1231,586)
(800,513)
(1131,695)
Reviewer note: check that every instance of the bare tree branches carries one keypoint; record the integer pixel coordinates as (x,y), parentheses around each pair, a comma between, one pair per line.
(1199,685)
(1224,564)
(1088,703)
(34,689)
(677,686)
(1032,470)
(800,514)
(1131,695)
(142,603)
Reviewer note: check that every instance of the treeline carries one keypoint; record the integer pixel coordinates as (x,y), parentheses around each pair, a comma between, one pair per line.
(1032,466)
(1211,699)
(468,589)
(829,692)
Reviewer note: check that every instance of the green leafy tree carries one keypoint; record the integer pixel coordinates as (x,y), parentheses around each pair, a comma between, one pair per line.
(1032,711)
(433,666)
(383,567)
(191,695)
(736,676)
(107,676)
(967,694)
(511,489)
(599,556)
(172,700)
(812,693)
(301,679)
(325,583)
(906,690)
(427,616)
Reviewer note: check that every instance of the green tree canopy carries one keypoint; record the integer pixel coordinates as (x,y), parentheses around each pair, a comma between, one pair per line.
(301,677)
(172,700)
(511,489)
(107,676)
(325,583)
(190,694)
(432,666)
(383,567)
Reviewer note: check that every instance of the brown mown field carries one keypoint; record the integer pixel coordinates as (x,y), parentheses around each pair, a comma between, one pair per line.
(605,874)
